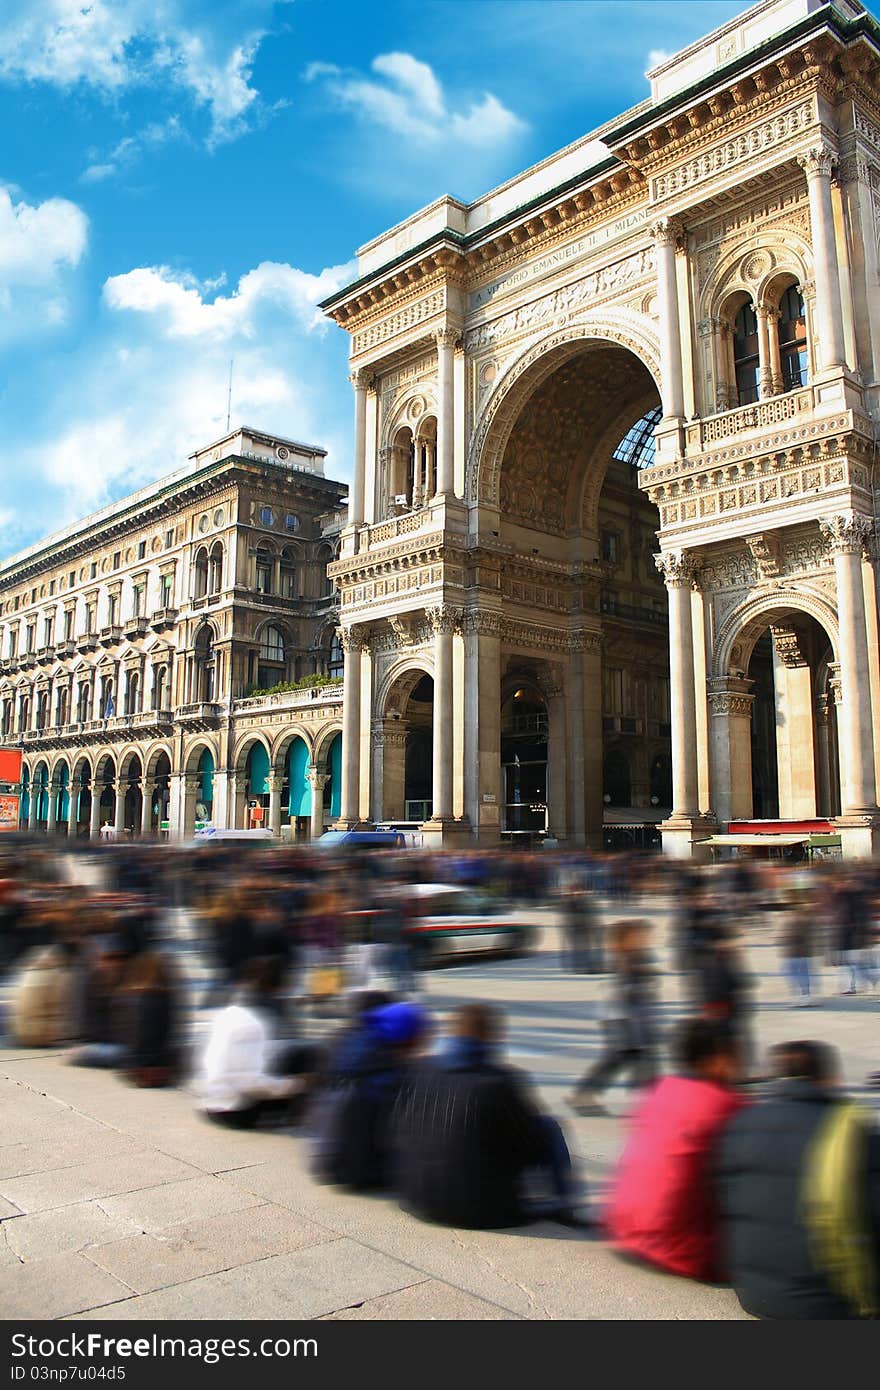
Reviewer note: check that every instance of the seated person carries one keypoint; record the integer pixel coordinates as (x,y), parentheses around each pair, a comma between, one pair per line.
(661,1207)
(247,1076)
(99,1028)
(466,1132)
(352,1117)
(150,1004)
(798,1184)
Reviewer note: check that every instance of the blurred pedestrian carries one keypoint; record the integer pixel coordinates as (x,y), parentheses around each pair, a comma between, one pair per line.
(629,1026)
(798,1187)
(661,1206)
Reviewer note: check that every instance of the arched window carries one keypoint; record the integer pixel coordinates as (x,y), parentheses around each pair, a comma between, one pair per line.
(132,690)
(200,577)
(336,662)
(273,657)
(24,713)
(83,702)
(289,577)
(215,569)
(792,339)
(42,709)
(7,717)
(264,571)
(205,666)
(325,558)
(61,707)
(160,682)
(746,362)
(637,445)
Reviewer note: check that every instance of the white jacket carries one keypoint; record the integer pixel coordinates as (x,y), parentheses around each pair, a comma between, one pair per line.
(235,1065)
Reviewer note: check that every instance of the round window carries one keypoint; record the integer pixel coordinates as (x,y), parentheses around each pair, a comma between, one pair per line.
(267,516)
(218,517)
(204,523)
(292,521)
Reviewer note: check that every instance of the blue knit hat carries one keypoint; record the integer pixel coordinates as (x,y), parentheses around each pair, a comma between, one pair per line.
(398,1023)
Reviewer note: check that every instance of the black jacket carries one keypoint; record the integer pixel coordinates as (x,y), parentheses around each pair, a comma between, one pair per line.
(759,1171)
(461,1139)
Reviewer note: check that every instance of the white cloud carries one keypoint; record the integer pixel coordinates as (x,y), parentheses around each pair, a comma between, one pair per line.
(411,102)
(39,246)
(110,45)
(127,151)
(149,385)
(178,304)
(658,56)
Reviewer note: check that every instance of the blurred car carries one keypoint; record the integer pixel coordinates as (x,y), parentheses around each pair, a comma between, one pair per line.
(453,920)
(361,839)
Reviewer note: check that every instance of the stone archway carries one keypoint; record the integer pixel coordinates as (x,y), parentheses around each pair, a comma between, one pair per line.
(772,712)
(402,739)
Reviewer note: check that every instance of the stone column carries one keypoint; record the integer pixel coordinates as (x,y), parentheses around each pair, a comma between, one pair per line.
(360,382)
(482,723)
(730,747)
(817,167)
(446,340)
(52,809)
(273,784)
(32,803)
(824,803)
(847,535)
(73,807)
(557,788)
(666,234)
(146,807)
(119,810)
(777,384)
(445,621)
(677,568)
(353,641)
(317,781)
(765,351)
(95,812)
(418,455)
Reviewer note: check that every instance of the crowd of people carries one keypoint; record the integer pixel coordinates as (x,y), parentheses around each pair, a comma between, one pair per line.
(757,1172)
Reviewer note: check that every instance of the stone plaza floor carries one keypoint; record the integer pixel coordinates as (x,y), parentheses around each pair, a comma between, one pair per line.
(124,1204)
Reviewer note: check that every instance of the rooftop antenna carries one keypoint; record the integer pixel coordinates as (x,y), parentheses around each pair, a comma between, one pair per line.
(229,396)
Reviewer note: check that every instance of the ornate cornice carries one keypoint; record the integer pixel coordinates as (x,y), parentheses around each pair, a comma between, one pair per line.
(444,619)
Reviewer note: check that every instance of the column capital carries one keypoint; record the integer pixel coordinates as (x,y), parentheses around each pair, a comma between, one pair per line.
(678,567)
(847,533)
(817,161)
(766,312)
(482,624)
(353,639)
(444,618)
(667,231)
(317,779)
(361,379)
(730,695)
(447,337)
(274,782)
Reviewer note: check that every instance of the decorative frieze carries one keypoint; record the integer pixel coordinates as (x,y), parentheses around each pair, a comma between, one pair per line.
(729,154)
(391,325)
(765,551)
(565,301)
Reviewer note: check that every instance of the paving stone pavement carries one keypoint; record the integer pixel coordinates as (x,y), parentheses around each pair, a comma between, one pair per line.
(125,1204)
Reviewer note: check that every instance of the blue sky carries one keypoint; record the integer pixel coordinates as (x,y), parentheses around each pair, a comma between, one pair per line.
(182,180)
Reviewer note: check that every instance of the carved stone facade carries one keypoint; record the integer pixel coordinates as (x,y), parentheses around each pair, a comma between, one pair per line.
(709,267)
(173,659)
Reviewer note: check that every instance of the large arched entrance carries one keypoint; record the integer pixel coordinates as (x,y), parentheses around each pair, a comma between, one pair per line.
(774,719)
(584,662)
(404,738)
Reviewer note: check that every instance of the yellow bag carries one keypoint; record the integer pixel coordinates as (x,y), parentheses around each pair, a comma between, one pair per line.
(325,981)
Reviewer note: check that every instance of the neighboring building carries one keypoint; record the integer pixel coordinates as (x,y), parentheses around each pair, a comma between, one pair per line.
(669,329)
(142,651)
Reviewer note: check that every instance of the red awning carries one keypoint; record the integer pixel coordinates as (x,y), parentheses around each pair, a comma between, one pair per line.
(780,827)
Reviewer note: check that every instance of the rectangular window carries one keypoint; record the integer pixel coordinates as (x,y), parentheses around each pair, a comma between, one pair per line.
(13,642)
(90,617)
(142,549)
(30,638)
(264,579)
(167,597)
(169,539)
(117,557)
(33,595)
(94,569)
(51,587)
(112,609)
(48,630)
(68,624)
(71,579)
(609,547)
(138,592)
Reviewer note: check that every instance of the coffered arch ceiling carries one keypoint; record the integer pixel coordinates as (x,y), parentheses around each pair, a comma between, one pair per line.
(557,453)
